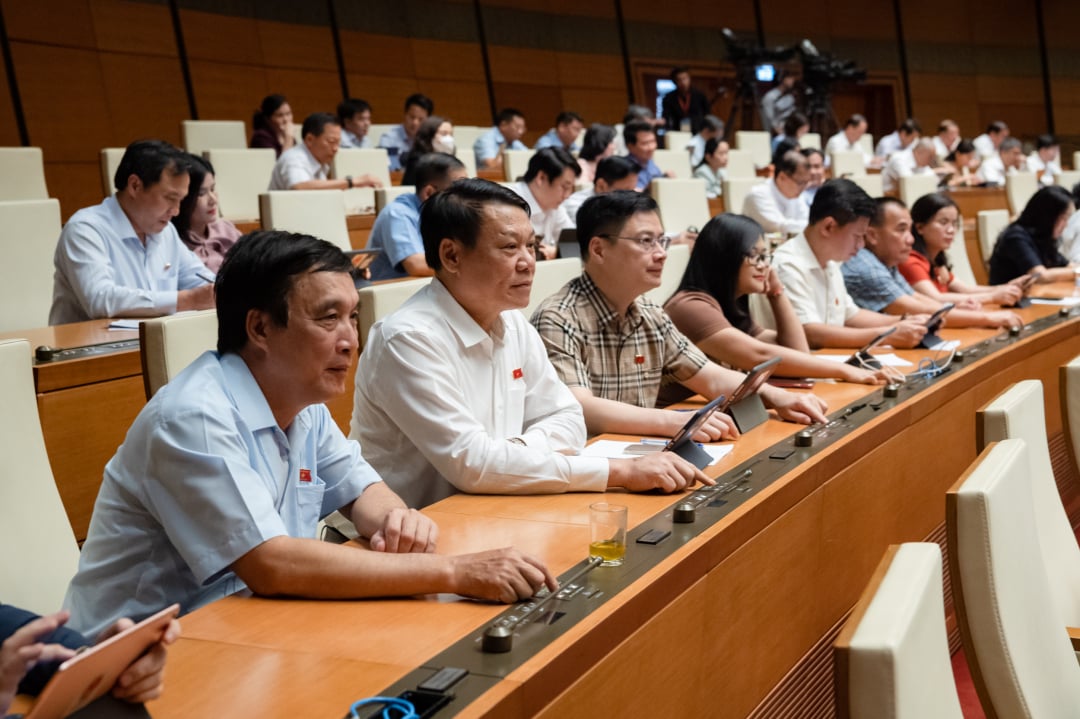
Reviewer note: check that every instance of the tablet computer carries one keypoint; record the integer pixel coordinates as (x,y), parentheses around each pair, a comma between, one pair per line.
(752,382)
(91,673)
(687,431)
(863,358)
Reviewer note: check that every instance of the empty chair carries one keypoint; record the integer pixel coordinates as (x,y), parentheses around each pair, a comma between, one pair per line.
(22,174)
(110,161)
(1017,413)
(375,132)
(810,139)
(465,137)
(677,140)
(740,164)
(203,135)
(549,278)
(1067,179)
(958,257)
(353,162)
(27,243)
(848,163)
(240,177)
(40,555)
(990,224)
(674,161)
(736,189)
(385,195)
(872,184)
(913,187)
(1019,187)
(892,656)
(320,213)
(757,143)
(682,203)
(1021,660)
(379,300)
(515,163)
(678,256)
(169,344)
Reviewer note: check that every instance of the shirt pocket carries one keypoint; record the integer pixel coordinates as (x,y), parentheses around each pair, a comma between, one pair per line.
(514,409)
(306,508)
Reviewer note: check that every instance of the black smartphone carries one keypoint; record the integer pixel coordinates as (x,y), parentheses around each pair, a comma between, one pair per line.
(935,319)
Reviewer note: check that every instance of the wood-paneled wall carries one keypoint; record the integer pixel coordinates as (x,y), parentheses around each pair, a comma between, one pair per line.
(101,73)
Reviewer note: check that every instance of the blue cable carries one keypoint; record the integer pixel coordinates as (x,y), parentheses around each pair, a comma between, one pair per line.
(405,707)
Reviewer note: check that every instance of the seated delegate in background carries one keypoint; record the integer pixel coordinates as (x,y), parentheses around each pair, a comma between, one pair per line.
(307,166)
(1008,159)
(1070,236)
(1046,159)
(355,118)
(713,167)
(795,126)
(197,222)
(547,184)
(777,204)
(599,143)
(964,163)
(815,162)
(729,262)
(33,647)
(916,159)
(505,135)
(398,140)
(935,221)
(713,127)
(568,127)
(123,258)
(1029,245)
(273,125)
(640,140)
(436,134)
(612,173)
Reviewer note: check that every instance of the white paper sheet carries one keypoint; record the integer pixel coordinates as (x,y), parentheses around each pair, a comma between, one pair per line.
(1062,302)
(614,449)
(887,359)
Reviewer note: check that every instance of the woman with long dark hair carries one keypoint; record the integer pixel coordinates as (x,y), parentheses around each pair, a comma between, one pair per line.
(599,143)
(273,124)
(935,221)
(198,222)
(436,134)
(1030,245)
(729,262)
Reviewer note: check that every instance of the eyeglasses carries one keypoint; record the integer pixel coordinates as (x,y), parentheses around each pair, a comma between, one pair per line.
(758,258)
(944,222)
(647,243)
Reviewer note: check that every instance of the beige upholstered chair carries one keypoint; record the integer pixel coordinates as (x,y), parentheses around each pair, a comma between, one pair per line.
(678,256)
(1069,388)
(675,161)
(22,174)
(320,213)
(203,135)
(356,162)
(465,136)
(1017,413)
(848,163)
(468,158)
(377,301)
(550,277)
(27,243)
(40,554)
(810,139)
(169,344)
(110,161)
(757,143)
(866,142)
(241,176)
(1019,187)
(682,203)
(1021,660)
(376,131)
(959,259)
(735,191)
(677,140)
(515,163)
(872,184)
(892,656)
(990,224)
(385,195)
(913,187)
(740,165)
(1067,179)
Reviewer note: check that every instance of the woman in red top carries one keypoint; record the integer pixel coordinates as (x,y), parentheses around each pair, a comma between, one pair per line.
(935,220)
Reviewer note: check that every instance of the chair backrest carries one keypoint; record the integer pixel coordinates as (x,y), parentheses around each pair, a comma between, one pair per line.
(678,256)
(676,161)
(40,555)
(740,165)
(380,299)
(1019,187)
(892,656)
(376,131)
(465,137)
(1076,160)
(468,158)
(866,142)
(1069,389)
(682,203)
(241,176)
(110,161)
(320,213)
(677,140)
(1016,645)
(515,163)
(22,174)
(757,143)
(1067,179)
(959,259)
(848,163)
(385,195)
(27,244)
(810,139)
(203,135)
(169,344)
(871,183)
(1017,413)
(549,278)
(912,187)
(990,224)
(352,161)
(736,189)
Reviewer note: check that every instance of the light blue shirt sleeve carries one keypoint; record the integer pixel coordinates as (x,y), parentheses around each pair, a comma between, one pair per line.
(396,143)
(487,145)
(548,139)
(405,239)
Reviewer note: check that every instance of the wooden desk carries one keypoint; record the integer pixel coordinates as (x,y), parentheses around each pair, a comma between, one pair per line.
(972,200)
(735,623)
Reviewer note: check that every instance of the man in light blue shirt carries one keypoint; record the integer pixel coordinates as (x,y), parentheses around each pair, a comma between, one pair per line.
(506,135)
(123,258)
(640,147)
(568,127)
(397,228)
(398,140)
(355,118)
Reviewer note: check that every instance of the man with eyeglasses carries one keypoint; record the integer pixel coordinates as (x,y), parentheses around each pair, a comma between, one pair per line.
(614,348)
(454,392)
(777,205)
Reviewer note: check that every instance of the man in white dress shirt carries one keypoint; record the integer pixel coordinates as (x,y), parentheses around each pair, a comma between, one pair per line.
(547,184)
(902,138)
(777,205)
(947,138)
(915,160)
(307,165)
(848,140)
(1046,159)
(1009,159)
(988,143)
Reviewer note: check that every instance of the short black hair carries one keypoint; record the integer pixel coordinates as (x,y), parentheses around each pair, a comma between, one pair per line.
(507,114)
(964,147)
(149,160)
(809,152)
(351,107)
(315,124)
(793,122)
(679,70)
(842,200)
(910,126)
(606,214)
(633,129)
(198,169)
(996,126)
(615,168)
(553,162)
(567,116)
(433,168)
(881,205)
(1044,141)
(597,139)
(855,120)
(259,273)
(789,162)
(420,100)
(788,144)
(457,213)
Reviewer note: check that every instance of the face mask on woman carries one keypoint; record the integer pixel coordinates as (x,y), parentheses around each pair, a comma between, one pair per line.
(443,143)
